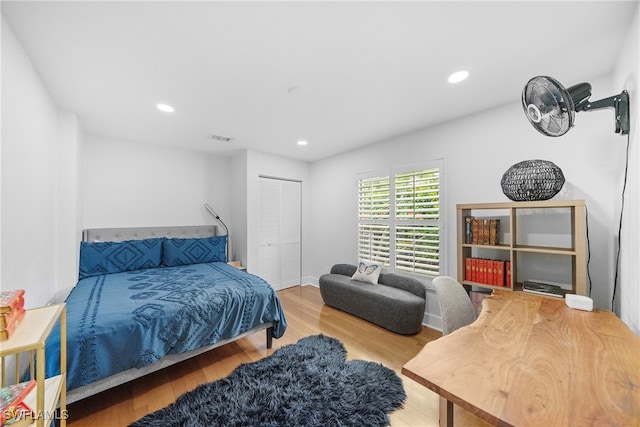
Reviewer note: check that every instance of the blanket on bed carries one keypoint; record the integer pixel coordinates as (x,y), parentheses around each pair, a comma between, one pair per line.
(123,320)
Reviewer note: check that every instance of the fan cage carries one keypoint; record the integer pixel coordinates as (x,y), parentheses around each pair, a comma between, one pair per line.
(532,180)
(553,103)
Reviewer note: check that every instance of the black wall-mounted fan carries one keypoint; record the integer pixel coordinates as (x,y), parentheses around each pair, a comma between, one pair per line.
(551,108)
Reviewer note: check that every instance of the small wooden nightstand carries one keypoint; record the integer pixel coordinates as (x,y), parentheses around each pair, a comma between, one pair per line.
(237,265)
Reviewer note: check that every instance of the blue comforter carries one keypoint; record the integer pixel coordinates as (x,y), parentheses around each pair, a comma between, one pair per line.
(123,320)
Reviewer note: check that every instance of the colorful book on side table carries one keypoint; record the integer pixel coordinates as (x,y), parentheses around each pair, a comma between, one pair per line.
(10,317)
(11,300)
(11,312)
(14,410)
(12,322)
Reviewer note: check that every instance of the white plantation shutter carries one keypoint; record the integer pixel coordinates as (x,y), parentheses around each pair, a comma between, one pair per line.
(373,198)
(417,213)
(399,221)
(418,195)
(373,219)
(373,242)
(418,249)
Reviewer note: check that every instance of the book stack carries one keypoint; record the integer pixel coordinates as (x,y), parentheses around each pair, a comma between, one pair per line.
(14,411)
(11,312)
(482,231)
(488,271)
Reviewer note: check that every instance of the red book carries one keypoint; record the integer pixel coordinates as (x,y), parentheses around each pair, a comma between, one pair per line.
(11,300)
(6,332)
(507,266)
(500,273)
(485,271)
(489,278)
(19,416)
(492,272)
(467,269)
(12,397)
(9,317)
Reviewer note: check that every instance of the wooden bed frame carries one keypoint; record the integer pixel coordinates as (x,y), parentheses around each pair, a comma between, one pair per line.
(139,233)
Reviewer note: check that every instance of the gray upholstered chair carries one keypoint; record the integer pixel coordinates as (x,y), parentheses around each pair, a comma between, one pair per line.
(455,304)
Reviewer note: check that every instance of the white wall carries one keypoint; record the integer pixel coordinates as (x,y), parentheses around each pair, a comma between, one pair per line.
(627,77)
(239,207)
(29,176)
(68,194)
(477,150)
(128,184)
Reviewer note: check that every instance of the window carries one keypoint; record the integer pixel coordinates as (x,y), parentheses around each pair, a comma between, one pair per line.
(399,220)
(373,215)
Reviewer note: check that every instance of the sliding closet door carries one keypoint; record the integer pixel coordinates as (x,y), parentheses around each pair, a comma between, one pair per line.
(279,234)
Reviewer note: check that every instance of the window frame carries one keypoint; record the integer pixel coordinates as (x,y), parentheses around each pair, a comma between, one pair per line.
(393,222)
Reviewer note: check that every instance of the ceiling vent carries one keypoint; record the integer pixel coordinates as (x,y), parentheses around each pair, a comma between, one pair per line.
(220,138)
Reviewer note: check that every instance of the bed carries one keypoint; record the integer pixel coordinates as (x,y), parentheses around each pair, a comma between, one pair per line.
(150,297)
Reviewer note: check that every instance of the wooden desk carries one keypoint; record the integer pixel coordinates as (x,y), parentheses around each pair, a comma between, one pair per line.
(533,361)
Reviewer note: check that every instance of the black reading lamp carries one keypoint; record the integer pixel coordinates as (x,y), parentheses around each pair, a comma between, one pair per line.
(551,108)
(216,216)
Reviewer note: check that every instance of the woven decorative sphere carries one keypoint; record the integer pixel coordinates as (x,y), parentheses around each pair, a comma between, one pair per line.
(532,180)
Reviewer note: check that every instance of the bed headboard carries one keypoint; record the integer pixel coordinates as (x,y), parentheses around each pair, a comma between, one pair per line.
(139,233)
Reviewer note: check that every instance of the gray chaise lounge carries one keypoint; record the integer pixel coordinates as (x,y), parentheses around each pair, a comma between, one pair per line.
(396,303)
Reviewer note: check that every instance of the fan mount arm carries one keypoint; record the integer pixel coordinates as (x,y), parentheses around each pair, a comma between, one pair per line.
(620,103)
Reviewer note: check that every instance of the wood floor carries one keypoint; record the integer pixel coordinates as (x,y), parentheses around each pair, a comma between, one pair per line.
(306,315)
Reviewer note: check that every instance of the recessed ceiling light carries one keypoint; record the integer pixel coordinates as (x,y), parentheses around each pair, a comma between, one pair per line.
(164,107)
(302,142)
(458,76)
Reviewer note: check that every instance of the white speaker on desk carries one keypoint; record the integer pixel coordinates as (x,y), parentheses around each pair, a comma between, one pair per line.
(579,302)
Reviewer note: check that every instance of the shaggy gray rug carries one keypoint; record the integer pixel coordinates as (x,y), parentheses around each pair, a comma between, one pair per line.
(308,383)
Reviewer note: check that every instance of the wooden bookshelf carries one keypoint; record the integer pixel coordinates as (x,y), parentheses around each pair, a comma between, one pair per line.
(532,234)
